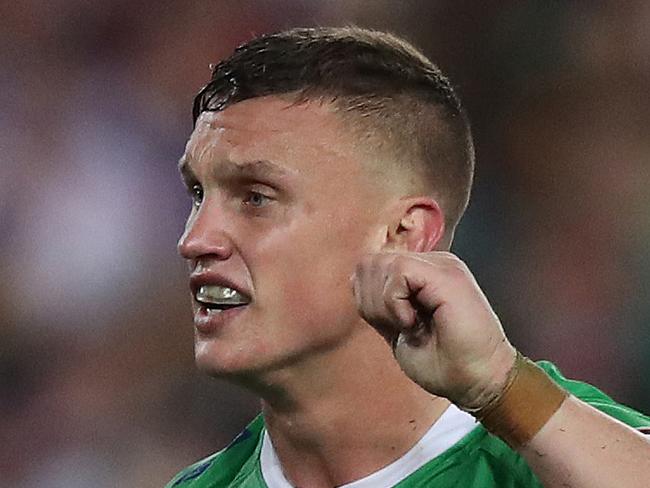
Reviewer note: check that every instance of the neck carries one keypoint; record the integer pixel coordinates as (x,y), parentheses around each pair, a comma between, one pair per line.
(347,414)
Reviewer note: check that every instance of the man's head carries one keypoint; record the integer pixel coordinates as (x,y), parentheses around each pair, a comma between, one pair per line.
(312,148)
(388,93)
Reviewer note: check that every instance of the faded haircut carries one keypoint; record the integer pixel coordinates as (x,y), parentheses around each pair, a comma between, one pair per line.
(380,84)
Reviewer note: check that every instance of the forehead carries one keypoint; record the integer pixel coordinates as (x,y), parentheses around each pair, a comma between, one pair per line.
(272,113)
(271,128)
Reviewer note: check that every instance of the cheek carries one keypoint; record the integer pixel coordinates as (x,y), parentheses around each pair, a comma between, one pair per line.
(313,285)
(312,308)
(303,269)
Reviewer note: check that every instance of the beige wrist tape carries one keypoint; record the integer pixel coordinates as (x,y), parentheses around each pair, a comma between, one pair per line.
(527,402)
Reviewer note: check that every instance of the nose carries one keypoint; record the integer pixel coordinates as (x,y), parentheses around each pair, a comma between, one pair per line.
(205,235)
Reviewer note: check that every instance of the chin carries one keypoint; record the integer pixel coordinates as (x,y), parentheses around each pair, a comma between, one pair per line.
(235,363)
(221,363)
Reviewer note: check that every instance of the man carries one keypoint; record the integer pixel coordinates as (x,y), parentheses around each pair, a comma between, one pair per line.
(328,170)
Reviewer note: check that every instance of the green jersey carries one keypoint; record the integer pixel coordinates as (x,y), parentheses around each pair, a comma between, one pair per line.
(477,460)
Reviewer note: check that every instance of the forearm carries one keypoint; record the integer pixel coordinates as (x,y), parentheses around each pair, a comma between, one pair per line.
(581,447)
(566,442)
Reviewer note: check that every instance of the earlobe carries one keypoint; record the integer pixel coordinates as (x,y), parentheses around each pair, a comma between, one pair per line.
(421,227)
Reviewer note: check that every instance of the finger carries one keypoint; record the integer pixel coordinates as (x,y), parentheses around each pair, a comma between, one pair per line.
(428,283)
(396,297)
(363,296)
(368,284)
(414,323)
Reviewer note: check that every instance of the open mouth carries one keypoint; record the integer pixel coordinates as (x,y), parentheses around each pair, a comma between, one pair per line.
(220,298)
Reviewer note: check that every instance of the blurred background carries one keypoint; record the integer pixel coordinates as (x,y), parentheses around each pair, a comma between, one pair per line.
(97,383)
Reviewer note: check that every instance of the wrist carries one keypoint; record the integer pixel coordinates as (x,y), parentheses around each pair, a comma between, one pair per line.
(497,377)
(526,401)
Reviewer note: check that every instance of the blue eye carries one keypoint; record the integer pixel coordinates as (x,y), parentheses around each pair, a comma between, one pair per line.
(256,199)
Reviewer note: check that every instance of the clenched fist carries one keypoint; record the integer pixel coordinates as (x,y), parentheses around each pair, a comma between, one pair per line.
(444,333)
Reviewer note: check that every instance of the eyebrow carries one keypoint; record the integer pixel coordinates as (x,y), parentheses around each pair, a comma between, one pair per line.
(184,168)
(250,169)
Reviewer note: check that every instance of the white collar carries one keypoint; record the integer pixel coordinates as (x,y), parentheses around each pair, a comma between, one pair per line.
(451,427)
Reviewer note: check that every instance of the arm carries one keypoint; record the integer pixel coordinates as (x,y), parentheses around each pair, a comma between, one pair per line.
(581,446)
(448,340)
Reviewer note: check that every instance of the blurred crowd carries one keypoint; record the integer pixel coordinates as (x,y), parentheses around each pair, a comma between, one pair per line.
(97,384)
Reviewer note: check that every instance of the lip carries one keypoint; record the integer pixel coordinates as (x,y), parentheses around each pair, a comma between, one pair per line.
(208,322)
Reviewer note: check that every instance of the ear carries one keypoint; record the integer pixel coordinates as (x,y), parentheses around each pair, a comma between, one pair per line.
(420,226)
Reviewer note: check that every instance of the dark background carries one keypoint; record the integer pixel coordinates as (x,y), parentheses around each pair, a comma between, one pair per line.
(97,384)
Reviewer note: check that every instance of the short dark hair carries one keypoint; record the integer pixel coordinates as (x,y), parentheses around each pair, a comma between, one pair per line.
(378,80)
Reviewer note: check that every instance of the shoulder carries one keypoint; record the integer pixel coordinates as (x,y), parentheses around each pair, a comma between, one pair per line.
(479,460)
(223,467)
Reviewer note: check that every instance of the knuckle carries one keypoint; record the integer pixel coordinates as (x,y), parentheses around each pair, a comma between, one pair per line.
(396,311)
(388,298)
(456,266)
(451,259)
(446,254)
(455,273)
(398,265)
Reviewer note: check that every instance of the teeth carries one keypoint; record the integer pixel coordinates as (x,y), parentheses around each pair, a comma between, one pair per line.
(220,295)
